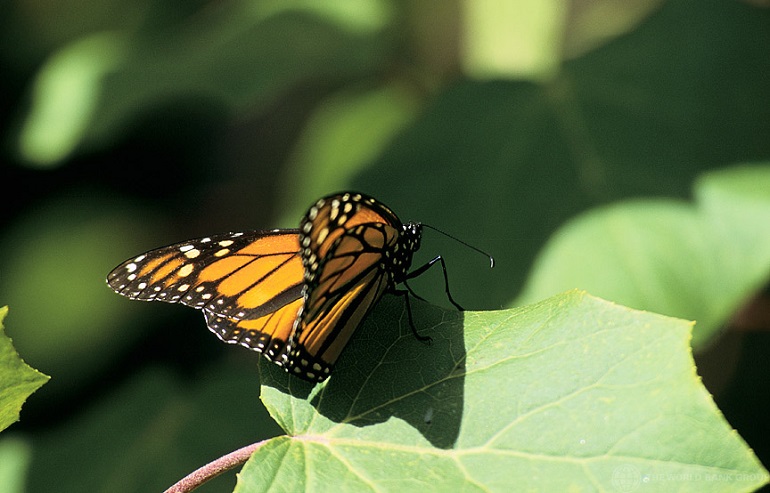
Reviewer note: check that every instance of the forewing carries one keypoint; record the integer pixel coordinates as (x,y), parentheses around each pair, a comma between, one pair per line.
(236,275)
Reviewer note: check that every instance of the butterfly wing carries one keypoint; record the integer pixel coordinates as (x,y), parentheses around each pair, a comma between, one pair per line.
(267,334)
(345,239)
(248,284)
(295,295)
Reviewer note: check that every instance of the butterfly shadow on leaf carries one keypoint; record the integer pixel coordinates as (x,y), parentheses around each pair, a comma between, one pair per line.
(386,372)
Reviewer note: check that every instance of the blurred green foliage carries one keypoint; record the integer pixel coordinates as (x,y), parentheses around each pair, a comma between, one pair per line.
(126,126)
(15,454)
(697,262)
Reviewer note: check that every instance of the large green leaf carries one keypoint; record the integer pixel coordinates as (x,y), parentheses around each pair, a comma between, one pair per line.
(697,261)
(570,394)
(17,379)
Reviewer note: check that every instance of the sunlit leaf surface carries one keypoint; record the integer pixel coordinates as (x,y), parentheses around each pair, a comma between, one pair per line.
(570,394)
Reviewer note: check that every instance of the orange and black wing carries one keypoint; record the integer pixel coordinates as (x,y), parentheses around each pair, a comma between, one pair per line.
(248,284)
(297,296)
(345,240)
(267,334)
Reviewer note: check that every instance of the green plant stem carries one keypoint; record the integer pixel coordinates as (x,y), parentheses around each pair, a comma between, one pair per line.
(214,469)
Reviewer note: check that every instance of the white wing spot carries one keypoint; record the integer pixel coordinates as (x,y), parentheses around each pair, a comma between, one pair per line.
(185,270)
(192,253)
(183,287)
(226,243)
(222,252)
(323,234)
(131,267)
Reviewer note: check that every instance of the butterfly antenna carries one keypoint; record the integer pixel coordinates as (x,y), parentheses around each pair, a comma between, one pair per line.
(491,259)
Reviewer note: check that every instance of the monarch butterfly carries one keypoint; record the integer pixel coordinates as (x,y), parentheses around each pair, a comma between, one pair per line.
(294,295)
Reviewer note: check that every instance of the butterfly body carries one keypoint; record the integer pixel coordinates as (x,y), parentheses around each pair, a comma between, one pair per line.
(296,296)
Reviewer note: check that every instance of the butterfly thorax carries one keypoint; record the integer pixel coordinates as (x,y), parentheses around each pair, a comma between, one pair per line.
(398,260)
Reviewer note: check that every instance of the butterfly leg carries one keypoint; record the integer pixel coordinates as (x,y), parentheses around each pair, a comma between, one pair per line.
(405,294)
(425,267)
